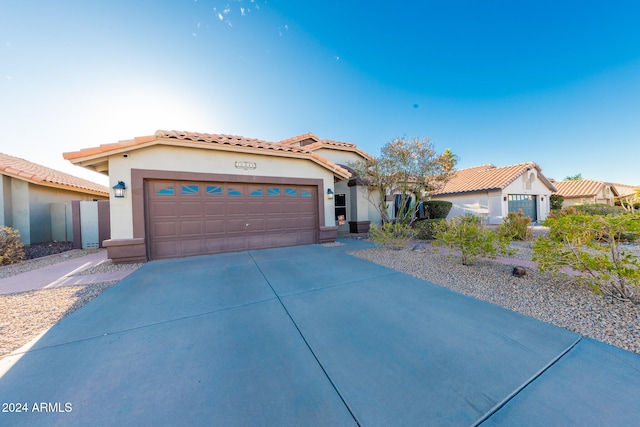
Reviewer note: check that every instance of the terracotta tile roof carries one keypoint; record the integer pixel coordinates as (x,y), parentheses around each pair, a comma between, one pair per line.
(324,143)
(624,190)
(579,188)
(42,175)
(221,140)
(346,146)
(488,177)
(299,138)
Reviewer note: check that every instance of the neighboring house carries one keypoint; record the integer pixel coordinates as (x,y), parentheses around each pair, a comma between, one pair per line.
(492,192)
(586,191)
(34,199)
(626,193)
(191,193)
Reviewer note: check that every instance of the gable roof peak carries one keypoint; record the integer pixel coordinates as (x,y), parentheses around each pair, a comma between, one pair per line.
(298,138)
(489,178)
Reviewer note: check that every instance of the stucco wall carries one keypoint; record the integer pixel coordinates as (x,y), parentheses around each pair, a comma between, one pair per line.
(169,158)
(27,207)
(473,203)
(40,200)
(340,157)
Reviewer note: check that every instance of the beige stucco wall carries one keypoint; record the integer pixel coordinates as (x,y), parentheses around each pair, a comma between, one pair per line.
(170,158)
(473,203)
(340,157)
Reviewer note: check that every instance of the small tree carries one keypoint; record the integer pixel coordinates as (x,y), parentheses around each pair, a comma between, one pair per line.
(467,235)
(630,203)
(409,167)
(590,244)
(576,177)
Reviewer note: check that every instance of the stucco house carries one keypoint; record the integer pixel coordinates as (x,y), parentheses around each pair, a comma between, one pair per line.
(492,192)
(586,191)
(34,199)
(190,193)
(626,193)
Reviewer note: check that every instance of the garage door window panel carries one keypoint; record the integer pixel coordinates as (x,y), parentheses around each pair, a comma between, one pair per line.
(165,190)
(273,191)
(214,190)
(189,190)
(234,192)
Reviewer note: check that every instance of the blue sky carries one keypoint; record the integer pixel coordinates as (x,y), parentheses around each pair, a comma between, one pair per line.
(502,82)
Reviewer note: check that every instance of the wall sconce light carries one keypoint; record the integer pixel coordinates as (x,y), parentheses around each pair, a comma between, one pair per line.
(118,189)
(504,198)
(329,193)
(542,198)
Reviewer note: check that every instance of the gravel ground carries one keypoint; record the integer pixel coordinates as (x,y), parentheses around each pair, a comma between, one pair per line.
(25,315)
(556,300)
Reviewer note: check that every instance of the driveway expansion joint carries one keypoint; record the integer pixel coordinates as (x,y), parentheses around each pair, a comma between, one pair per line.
(304,339)
(150,325)
(524,385)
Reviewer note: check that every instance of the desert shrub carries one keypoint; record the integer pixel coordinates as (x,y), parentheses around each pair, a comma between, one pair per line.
(438,209)
(570,210)
(11,249)
(590,244)
(556,202)
(392,234)
(466,235)
(425,228)
(516,226)
(598,209)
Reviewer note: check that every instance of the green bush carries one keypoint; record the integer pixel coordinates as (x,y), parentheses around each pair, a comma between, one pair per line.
(425,228)
(590,244)
(467,235)
(437,209)
(11,249)
(556,202)
(394,235)
(598,209)
(516,226)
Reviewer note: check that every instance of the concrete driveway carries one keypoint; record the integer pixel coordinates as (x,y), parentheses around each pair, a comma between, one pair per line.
(310,336)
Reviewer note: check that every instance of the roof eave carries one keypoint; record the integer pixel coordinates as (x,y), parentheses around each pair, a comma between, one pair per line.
(458,193)
(44,183)
(99,161)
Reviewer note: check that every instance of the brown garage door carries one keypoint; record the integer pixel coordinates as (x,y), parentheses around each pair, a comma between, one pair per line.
(186,218)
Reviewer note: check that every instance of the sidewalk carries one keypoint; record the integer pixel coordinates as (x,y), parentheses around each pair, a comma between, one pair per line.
(61,274)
